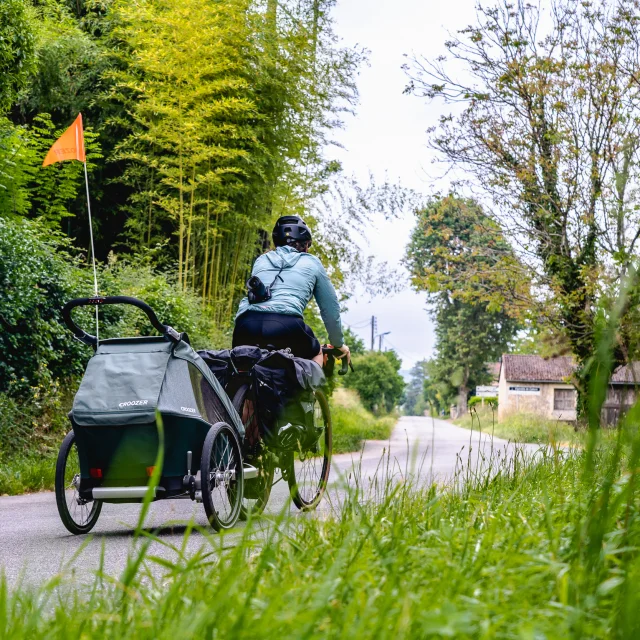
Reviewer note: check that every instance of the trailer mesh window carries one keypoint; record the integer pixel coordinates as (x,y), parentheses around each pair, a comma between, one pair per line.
(209,405)
(564,399)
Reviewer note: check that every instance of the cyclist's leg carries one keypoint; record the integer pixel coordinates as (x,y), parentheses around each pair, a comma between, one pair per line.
(248,330)
(292,332)
(277,331)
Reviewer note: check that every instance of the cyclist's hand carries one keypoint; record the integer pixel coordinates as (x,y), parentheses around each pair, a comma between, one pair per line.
(344,349)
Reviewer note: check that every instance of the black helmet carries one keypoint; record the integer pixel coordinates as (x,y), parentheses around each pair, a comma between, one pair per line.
(290,229)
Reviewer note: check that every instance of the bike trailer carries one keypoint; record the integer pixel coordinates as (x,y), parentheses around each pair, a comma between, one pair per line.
(126,383)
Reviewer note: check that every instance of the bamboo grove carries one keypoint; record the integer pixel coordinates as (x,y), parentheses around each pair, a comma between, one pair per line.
(210,118)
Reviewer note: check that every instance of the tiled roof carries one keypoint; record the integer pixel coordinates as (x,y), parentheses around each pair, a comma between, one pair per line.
(537,369)
(629,374)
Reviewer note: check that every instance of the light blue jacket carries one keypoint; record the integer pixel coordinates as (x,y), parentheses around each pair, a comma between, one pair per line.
(303,277)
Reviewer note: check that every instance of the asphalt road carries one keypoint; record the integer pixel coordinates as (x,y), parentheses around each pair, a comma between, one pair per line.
(35,546)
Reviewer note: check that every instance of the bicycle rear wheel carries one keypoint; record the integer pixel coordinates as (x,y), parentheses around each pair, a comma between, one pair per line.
(308,469)
(256,490)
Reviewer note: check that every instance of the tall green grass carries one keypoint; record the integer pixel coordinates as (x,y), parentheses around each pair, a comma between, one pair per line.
(352,423)
(543,545)
(522,427)
(529,548)
(20,474)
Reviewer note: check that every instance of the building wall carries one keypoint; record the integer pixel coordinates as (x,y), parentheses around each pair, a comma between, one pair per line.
(542,404)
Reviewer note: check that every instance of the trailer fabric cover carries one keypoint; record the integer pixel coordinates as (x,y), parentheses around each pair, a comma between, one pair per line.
(128,379)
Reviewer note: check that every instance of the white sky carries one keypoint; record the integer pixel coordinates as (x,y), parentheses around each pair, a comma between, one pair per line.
(388,134)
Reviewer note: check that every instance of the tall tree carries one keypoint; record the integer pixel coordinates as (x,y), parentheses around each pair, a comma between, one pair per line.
(476,285)
(17,49)
(225,133)
(414,402)
(547,121)
(468,336)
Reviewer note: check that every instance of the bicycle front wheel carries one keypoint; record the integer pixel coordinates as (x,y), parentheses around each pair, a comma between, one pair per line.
(308,469)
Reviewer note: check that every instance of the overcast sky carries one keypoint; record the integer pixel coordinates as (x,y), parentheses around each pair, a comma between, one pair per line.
(388,134)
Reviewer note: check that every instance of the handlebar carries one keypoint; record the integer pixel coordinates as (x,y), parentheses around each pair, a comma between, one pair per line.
(332,351)
(168,332)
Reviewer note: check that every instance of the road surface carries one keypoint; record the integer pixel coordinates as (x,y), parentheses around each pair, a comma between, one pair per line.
(35,546)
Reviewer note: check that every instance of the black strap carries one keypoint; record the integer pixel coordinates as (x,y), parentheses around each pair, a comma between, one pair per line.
(278,276)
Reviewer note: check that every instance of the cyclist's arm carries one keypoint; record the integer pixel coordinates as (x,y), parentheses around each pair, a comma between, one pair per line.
(327,300)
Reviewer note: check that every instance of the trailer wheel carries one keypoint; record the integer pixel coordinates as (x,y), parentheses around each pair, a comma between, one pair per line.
(78,515)
(222,476)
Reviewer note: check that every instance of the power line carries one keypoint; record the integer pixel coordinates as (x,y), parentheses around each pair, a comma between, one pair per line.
(404,355)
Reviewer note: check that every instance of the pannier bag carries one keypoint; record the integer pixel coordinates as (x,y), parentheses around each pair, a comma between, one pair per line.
(219,364)
(285,386)
(224,363)
(284,383)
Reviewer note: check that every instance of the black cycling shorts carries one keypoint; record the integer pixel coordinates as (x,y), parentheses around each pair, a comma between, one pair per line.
(275,331)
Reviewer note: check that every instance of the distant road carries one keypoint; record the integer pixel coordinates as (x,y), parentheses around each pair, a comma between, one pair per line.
(34,543)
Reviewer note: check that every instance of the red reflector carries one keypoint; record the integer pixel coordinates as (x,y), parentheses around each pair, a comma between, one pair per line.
(95,473)
(150,471)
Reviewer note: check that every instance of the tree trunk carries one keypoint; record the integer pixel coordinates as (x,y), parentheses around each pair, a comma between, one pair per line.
(463,392)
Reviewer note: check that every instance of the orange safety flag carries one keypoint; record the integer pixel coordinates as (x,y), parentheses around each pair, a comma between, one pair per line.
(69,146)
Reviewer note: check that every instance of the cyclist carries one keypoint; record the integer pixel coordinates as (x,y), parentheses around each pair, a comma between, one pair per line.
(282,283)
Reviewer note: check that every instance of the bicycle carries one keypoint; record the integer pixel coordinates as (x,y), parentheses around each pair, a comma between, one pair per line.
(305,467)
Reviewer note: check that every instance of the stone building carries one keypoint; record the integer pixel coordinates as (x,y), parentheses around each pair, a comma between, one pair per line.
(532,384)
(622,392)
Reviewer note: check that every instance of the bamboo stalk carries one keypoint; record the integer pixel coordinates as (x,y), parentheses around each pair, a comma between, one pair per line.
(206,239)
(150,209)
(190,226)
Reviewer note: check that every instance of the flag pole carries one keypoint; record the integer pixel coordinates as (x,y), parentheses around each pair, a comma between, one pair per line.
(93,251)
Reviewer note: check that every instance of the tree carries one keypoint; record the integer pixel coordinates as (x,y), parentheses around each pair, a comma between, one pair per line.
(377,381)
(17,49)
(458,255)
(226,133)
(468,336)
(548,124)
(458,249)
(414,402)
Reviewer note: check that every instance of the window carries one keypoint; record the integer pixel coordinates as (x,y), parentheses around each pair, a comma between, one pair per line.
(564,399)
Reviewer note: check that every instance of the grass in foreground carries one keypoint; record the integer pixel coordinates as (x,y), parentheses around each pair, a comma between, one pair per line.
(352,423)
(544,548)
(521,427)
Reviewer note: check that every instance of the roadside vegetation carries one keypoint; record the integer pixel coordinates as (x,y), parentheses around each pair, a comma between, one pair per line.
(542,547)
(352,423)
(522,427)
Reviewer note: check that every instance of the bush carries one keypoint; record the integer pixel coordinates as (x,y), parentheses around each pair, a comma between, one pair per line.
(36,279)
(377,381)
(491,401)
(38,276)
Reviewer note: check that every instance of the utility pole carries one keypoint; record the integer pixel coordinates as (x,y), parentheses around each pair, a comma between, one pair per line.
(380,337)
(374,328)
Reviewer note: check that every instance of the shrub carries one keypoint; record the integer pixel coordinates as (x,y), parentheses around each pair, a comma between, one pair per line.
(377,381)
(491,401)
(38,275)
(36,279)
